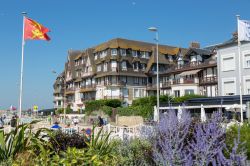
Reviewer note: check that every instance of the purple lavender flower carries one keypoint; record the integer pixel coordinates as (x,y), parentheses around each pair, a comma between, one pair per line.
(169,146)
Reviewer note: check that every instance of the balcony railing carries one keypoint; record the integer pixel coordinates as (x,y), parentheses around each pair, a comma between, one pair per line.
(119,83)
(87,99)
(121,97)
(190,66)
(165,84)
(88,86)
(209,80)
(188,81)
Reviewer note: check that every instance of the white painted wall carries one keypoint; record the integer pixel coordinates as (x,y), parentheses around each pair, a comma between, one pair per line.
(182,89)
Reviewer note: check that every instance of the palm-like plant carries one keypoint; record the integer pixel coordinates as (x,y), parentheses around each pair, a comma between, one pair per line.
(21,139)
(101,149)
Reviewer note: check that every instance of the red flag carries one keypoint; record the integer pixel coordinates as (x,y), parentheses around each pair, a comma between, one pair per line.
(34,31)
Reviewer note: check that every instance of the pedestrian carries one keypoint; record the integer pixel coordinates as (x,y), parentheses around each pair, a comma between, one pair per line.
(56,126)
(100,123)
(13,122)
(1,123)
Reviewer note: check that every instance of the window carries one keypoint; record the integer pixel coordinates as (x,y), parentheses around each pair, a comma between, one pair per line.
(139,93)
(170,58)
(113,65)
(176,93)
(189,91)
(105,67)
(229,86)
(143,66)
(228,62)
(247,86)
(136,66)
(134,53)
(113,51)
(123,52)
(136,80)
(193,58)
(144,81)
(123,79)
(103,54)
(143,54)
(247,61)
(99,67)
(124,65)
(147,55)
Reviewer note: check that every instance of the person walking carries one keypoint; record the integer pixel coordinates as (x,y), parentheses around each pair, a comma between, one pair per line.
(13,122)
(101,122)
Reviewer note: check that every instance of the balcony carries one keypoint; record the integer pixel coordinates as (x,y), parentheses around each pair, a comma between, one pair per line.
(58,98)
(88,88)
(86,74)
(121,97)
(151,86)
(190,66)
(185,81)
(166,85)
(188,81)
(87,99)
(118,83)
(209,80)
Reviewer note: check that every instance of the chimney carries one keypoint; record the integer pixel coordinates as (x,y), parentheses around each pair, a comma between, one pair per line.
(194,44)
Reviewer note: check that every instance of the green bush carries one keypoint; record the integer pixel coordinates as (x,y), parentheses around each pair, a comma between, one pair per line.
(114,103)
(187,97)
(96,105)
(232,134)
(107,110)
(135,152)
(61,110)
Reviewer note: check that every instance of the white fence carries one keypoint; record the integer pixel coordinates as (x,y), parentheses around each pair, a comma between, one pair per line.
(125,133)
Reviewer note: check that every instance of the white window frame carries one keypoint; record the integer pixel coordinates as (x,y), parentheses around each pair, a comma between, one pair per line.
(245,60)
(105,66)
(115,51)
(228,80)
(245,78)
(123,52)
(124,67)
(232,55)
(99,68)
(141,92)
(134,53)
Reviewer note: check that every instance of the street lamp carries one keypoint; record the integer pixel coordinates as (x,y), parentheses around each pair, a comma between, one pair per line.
(64,96)
(154,29)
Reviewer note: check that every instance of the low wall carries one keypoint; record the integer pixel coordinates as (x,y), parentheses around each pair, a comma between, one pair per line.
(128,120)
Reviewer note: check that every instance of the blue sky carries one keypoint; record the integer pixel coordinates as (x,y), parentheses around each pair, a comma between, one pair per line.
(80,24)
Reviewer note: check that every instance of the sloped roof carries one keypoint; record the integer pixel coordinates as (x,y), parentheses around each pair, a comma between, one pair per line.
(153,59)
(135,45)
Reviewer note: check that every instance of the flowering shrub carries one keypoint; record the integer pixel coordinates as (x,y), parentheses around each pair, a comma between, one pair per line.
(181,142)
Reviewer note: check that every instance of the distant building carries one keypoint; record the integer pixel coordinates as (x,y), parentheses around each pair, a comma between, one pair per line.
(59,91)
(126,70)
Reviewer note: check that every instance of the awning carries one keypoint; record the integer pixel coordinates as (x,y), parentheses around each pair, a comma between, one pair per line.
(192,72)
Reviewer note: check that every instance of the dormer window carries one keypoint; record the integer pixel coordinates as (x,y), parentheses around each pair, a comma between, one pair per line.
(136,66)
(143,66)
(113,51)
(170,58)
(134,53)
(123,52)
(124,65)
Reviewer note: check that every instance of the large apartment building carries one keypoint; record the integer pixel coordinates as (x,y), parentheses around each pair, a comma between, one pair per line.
(228,67)
(126,69)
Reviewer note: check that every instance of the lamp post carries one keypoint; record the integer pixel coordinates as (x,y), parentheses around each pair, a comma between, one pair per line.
(64,96)
(154,29)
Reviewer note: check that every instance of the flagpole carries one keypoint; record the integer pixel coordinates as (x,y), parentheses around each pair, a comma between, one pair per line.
(240,82)
(21,78)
